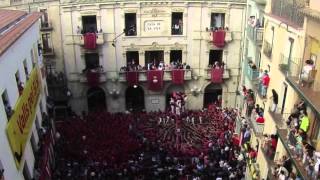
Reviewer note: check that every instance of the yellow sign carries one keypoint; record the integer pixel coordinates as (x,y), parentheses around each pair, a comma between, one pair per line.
(20,123)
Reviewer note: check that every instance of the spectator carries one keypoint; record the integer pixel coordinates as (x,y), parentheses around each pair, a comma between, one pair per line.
(305,74)
(260,119)
(265,83)
(304,126)
(275,99)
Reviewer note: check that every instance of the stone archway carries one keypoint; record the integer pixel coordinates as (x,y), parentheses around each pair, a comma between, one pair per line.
(211,94)
(135,98)
(96,99)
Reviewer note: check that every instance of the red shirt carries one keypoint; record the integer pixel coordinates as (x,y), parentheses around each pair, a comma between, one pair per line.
(260,119)
(265,80)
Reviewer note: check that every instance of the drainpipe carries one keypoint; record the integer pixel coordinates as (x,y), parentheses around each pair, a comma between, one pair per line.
(242,43)
(200,47)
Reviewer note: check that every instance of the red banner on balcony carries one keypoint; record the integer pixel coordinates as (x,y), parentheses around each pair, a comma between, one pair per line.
(218,38)
(177,76)
(90,40)
(132,77)
(216,75)
(155,80)
(93,78)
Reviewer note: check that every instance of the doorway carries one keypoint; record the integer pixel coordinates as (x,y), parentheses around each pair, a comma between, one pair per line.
(89,24)
(96,99)
(135,98)
(153,57)
(215,56)
(211,94)
(176,56)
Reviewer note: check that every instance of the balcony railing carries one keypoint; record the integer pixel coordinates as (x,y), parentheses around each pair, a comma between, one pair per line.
(289,11)
(290,66)
(287,137)
(79,40)
(267,49)
(257,128)
(252,74)
(102,77)
(207,71)
(48,52)
(255,34)
(167,76)
(46,26)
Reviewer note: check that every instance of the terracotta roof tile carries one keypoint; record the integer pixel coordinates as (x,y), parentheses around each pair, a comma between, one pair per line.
(9,37)
(9,16)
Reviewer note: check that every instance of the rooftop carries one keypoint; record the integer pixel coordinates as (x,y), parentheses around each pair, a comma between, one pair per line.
(12,25)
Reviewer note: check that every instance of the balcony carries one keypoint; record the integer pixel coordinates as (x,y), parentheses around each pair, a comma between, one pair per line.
(48,52)
(310,95)
(251,73)
(255,34)
(207,71)
(284,135)
(288,11)
(46,26)
(167,76)
(78,39)
(267,49)
(289,66)
(83,78)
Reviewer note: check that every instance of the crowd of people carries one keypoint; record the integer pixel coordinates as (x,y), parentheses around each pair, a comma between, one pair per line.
(154,145)
(178,102)
(155,65)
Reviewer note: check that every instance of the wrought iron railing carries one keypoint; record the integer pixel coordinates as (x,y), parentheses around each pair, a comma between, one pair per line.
(290,66)
(251,73)
(255,34)
(289,10)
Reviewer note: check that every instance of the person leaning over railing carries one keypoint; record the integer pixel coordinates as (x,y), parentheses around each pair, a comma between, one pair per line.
(305,76)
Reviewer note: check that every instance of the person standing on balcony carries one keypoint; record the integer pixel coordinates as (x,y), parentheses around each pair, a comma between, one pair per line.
(275,99)
(304,122)
(265,83)
(305,74)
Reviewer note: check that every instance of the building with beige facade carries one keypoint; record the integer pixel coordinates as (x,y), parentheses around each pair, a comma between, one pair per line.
(289,40)
(153,39)
(143,32)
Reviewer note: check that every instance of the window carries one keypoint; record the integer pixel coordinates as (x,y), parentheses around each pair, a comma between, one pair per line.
(44,18)
(215,56)
(91,60)
(153,59)
(6,103)
(89,24)
(176,56)
(177,23)
(132,58)
(25,66)
(46,43)
(130,24)
(217,20)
